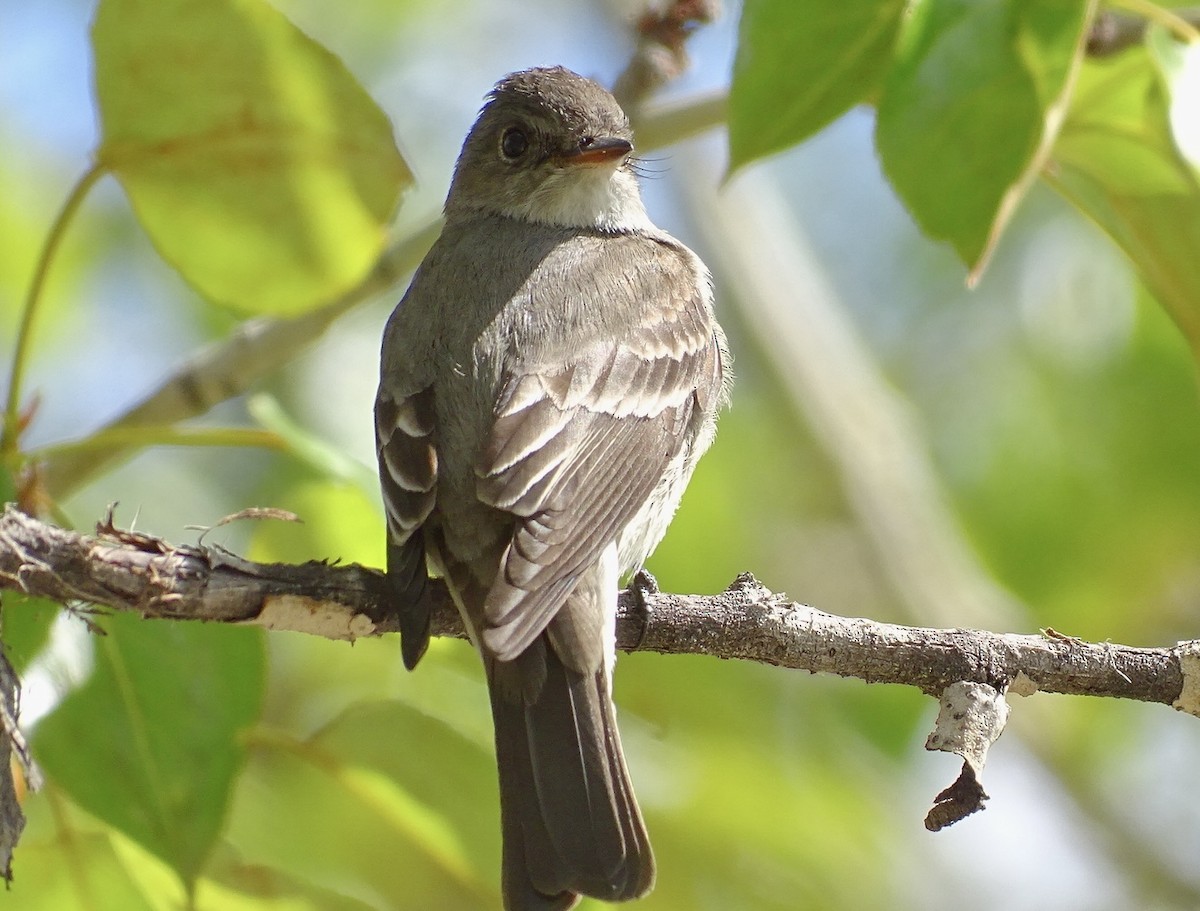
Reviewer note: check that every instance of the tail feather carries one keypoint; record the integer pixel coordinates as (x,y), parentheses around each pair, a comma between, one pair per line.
(571,824)
(640,869)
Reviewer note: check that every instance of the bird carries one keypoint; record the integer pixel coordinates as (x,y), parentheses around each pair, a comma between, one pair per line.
(547,384)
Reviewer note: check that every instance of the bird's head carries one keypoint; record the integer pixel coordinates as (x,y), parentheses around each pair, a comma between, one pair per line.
(552,147)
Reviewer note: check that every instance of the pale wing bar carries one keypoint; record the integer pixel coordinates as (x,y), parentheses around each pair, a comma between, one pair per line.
(576,450)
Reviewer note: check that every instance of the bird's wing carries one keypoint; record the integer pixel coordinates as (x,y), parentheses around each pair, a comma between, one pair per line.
(408,466)
(576,449)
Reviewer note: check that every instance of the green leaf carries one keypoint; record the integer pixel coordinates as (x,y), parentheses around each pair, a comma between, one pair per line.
(150,744)
(96,877)
(25,624)
(452,794)
(414,804)
(969,113)
(801,64)
(258,165)
(1116,161)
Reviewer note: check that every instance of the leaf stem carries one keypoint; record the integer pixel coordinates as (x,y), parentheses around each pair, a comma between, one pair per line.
(12,409)
(146,435)
(1171,20)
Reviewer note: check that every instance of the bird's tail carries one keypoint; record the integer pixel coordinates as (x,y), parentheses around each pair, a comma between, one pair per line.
(571,824)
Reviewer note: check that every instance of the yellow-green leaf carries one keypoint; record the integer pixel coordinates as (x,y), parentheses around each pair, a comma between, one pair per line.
(969,112)
(1116,160)
(414,806)
(256,162)
(96,879)
(151,743)
(800,64)
(25,623)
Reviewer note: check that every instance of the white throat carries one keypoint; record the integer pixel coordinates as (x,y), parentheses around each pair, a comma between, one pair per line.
(588,197)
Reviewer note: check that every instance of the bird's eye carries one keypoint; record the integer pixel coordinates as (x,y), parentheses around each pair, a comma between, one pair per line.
(513,143)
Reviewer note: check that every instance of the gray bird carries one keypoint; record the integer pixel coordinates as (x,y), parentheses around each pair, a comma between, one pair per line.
(547,384)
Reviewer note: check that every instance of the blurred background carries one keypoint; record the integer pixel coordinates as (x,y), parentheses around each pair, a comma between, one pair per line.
(1013,457)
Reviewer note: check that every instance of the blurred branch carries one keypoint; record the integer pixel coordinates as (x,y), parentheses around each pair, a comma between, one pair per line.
(666,123)
(129,571)
(230,367)
(1105,815)
(660,56)
(796,317)
(1113,32)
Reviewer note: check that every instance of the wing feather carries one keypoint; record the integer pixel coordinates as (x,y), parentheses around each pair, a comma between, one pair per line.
(578,448)
(408,461)
(408,467)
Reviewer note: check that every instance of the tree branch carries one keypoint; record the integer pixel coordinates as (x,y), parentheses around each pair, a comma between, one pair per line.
(968,671)
(130,571)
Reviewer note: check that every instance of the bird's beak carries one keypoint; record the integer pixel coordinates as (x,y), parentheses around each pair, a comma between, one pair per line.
(594,152)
